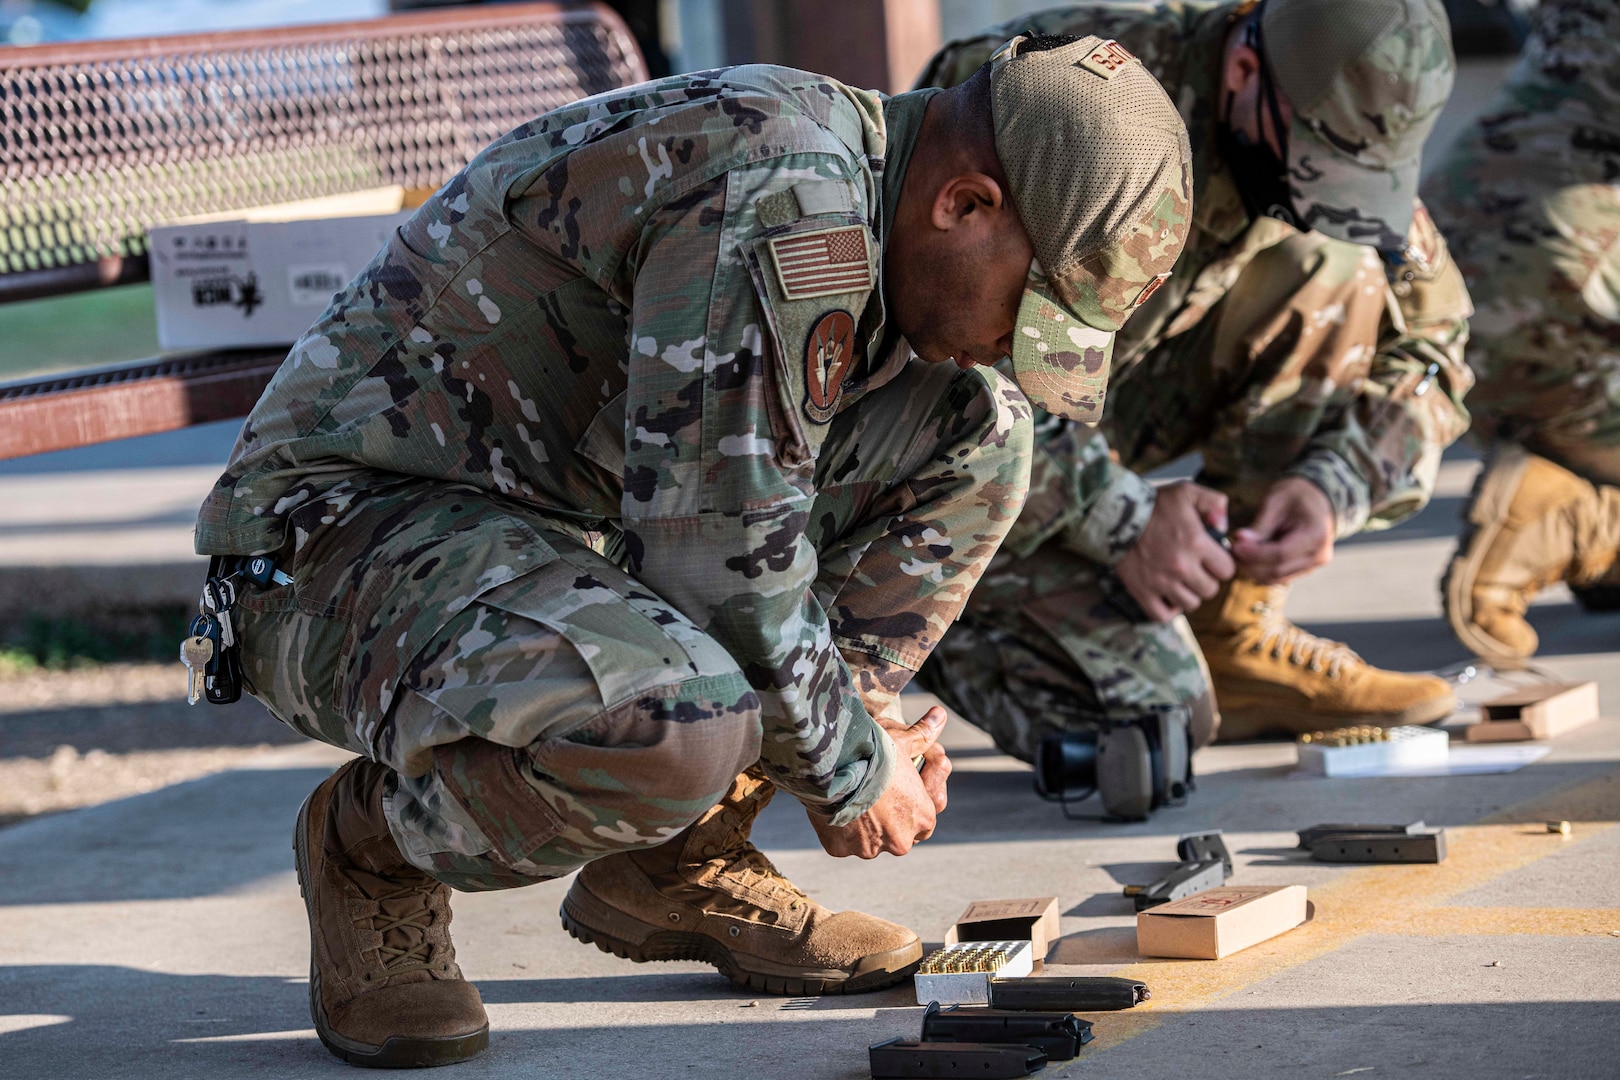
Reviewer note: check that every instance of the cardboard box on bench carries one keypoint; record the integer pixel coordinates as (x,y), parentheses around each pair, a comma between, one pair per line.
(1535,712)
(1219,922)
(1034,921)
(261,277)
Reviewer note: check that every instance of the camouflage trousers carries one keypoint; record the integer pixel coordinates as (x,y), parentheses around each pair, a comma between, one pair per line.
(1545,341)
(1041,648)
(569,713)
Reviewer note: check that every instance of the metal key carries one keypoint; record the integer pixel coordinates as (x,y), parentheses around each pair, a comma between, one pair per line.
(195,652)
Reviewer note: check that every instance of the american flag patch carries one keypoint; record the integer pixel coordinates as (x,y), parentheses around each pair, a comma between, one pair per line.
(823,263)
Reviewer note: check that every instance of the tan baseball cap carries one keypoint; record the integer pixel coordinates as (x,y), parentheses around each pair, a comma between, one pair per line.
(1367,80)
(1100,172)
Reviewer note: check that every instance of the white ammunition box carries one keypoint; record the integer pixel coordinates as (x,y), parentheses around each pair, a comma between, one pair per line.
(960,974)
(1374,754)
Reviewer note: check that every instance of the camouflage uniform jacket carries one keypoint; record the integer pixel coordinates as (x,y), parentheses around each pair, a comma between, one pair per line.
(1532,191)
(1374,454)
(597,319)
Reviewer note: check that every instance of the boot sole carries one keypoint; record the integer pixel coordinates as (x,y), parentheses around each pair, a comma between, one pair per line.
(1487,509)
(399,1052)
(584,916)
(1256,721)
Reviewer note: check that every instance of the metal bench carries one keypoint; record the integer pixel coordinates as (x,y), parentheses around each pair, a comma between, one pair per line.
(101,140)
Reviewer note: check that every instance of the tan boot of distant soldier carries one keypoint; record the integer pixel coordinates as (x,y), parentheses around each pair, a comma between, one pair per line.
(1531,524)
(1271,677)
(384,988)
(711,895)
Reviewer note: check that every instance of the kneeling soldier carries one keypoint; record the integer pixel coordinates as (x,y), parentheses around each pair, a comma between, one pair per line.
(638,440)
(1309,346)
(1529,192)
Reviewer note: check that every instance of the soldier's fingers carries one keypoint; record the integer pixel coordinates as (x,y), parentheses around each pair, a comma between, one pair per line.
(1181,598)
(1217,562)
(1269,520)
(1199,580)
(917,738)
(1293,566)
(935,771)
(1211,506)
(1262,569)
(1157,608)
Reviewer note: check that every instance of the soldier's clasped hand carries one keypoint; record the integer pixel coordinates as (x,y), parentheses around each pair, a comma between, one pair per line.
(1175,565)
(904,814)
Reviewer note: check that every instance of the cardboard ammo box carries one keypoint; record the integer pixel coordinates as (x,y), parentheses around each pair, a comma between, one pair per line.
(261,277)
(1536,712)
(1034,921)
(1219,922)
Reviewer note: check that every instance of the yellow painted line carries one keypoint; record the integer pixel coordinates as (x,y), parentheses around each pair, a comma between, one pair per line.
(1544,922)
(1390,900)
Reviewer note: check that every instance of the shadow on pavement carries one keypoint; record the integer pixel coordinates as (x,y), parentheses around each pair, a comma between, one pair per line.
(997,806)
(200,838)
(1428,644)
(1442,517)
(217,834)
(119,1022)
(158,725)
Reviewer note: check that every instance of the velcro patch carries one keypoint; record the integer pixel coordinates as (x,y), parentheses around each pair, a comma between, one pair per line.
(829,353)
(1107,59)
(823,263)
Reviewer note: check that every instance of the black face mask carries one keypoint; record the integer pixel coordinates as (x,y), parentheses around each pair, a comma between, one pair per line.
(1260,175)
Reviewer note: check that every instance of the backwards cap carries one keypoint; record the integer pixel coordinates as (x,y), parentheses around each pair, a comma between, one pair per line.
(1100,172)
(1366,79)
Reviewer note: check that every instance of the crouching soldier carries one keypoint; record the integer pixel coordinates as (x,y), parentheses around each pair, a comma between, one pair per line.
(637,475)
(1529,194)
(1309,346)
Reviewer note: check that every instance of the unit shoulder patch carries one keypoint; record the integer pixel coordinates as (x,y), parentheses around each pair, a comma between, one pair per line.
(1107,59)
(829,354)
(824,262)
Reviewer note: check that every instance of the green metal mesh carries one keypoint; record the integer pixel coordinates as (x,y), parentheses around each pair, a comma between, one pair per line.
(100,142)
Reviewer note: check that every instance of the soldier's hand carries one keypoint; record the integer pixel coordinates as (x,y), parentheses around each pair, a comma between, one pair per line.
(1175,566)
(904,814)
(1291,534)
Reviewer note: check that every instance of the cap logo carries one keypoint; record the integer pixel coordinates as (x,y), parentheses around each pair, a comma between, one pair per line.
(1149,289)
(1107,59)
(829,353)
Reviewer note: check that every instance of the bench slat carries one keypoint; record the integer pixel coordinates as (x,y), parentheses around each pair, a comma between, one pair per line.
(63,412)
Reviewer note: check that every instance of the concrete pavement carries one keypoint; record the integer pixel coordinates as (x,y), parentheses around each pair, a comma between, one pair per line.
(163,936)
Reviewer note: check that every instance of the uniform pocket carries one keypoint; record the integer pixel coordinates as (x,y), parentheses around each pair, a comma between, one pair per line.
(632,641)
(398,568)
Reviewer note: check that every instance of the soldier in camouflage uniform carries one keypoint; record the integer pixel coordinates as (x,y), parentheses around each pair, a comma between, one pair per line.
(1309,345)
(631,481)
(1530,195)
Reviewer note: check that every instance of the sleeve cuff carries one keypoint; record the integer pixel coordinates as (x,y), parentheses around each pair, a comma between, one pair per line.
(879,768)
(1344,487)
(1115,520)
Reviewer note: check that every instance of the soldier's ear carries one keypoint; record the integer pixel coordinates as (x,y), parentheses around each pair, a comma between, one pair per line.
(1241,68)
(967,198)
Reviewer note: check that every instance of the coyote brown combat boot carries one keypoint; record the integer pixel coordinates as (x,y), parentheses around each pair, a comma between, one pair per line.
(1272,678)
(1530,524)
(711,895)
(384,988)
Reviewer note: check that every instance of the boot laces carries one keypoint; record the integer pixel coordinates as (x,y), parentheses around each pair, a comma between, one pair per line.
(405,945)
(750,868)
(1285,641)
